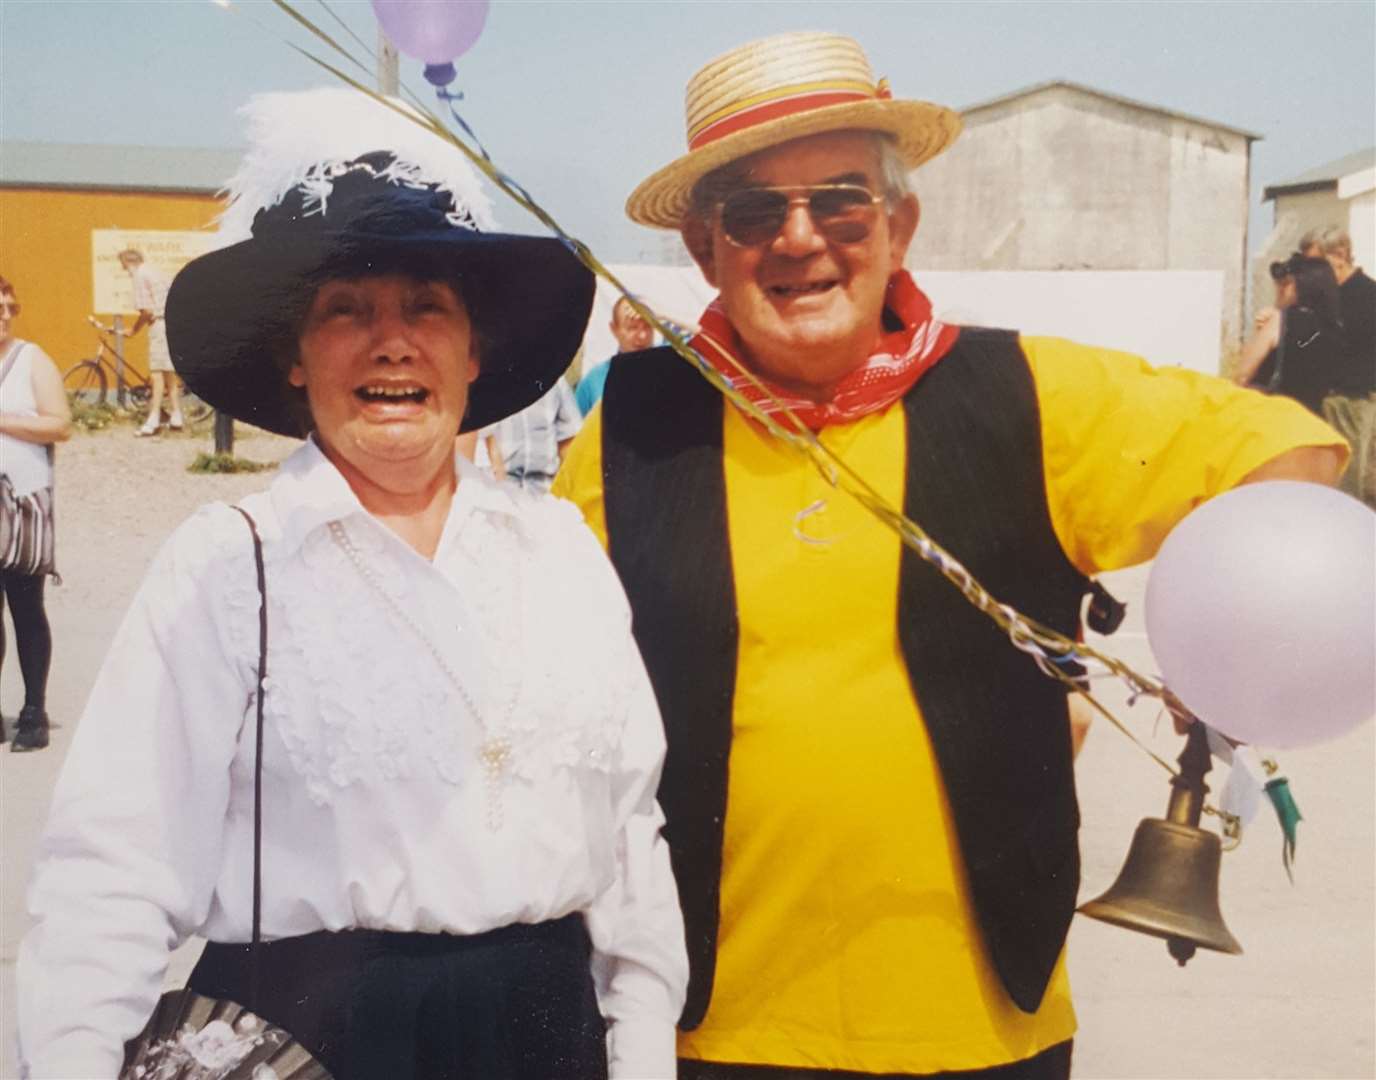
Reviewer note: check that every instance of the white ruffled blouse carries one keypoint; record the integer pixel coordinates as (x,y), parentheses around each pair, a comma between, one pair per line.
(377,810)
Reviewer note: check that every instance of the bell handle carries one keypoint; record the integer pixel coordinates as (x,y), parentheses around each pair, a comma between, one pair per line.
(1188,787)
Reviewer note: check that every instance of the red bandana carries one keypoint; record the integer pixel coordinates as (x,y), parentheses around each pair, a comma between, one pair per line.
(899,359)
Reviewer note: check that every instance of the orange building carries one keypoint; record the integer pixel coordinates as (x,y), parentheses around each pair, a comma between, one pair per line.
(53,196)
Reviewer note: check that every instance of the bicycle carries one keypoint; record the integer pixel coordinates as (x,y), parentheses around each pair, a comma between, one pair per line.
(90,380)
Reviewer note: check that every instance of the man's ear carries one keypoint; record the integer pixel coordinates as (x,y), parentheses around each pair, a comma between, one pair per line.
(903,219)
(697,238)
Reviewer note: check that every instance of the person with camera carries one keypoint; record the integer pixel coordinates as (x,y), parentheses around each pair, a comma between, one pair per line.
(1298,348)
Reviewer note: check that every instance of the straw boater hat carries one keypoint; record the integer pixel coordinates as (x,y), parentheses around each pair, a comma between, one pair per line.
(336,184)
(777,89)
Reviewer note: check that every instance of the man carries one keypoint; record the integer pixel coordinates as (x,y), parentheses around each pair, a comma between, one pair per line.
(869,791)
(150,295)
(632,334)
(529,446)
(1356,298)
(1351,408)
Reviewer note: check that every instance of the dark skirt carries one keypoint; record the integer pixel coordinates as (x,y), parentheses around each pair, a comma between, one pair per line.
(516,1003)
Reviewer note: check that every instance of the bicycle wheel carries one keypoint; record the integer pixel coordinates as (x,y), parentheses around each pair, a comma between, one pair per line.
(195,411)
(85,380)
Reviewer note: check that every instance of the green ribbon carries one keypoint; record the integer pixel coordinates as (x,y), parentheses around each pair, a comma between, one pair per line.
(1278,791)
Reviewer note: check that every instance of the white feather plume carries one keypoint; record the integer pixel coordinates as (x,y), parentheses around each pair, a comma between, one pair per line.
(299,139)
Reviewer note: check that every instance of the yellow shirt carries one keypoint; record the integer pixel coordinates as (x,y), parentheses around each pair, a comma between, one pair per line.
(848,939)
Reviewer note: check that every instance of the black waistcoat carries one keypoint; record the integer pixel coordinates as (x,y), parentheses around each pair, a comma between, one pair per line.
(998,725)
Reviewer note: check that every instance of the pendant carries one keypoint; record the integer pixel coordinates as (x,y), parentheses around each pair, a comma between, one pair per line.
(494,753)
(807,531)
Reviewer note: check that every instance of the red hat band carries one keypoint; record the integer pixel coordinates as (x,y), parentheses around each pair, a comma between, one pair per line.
(782,102)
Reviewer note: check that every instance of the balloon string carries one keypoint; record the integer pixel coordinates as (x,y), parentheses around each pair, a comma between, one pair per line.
(450,97)
(1048,648)
(312,28)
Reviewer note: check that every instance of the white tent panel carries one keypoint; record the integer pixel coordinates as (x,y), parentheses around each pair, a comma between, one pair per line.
(1171,317)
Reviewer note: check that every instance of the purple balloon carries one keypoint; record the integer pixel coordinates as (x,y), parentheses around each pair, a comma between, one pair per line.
(1261,611)
(435,31)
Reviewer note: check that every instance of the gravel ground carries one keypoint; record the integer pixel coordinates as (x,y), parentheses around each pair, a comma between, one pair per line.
(1299,1003)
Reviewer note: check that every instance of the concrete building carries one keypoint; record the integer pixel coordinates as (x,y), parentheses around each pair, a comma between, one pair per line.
(54,196)
(1341,192)
(1060,176)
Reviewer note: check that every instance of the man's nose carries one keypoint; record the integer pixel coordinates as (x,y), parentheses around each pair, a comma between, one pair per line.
(799,236)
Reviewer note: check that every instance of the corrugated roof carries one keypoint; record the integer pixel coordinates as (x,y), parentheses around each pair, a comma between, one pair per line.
(1323,176)
(119,168)
(1051,84)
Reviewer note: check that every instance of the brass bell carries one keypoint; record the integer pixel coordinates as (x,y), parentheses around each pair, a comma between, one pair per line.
(1168,886)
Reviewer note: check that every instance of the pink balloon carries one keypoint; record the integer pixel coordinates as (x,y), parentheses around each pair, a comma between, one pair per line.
(1261,613)
(435,31)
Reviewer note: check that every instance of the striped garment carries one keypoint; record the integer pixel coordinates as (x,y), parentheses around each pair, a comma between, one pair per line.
(26,530)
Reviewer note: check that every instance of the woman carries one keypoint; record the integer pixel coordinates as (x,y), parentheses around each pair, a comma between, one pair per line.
(1297,348)
(33,416)
(461,748)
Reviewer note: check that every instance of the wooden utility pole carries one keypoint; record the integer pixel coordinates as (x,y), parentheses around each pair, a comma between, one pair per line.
(224,433)
(387,65)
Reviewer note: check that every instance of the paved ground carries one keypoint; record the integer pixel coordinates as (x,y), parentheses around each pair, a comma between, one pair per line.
(1299,1003)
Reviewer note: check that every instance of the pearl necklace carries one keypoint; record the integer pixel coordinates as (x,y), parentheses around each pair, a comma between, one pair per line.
(495,750)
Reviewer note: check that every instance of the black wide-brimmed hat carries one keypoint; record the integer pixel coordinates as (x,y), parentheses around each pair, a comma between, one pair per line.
(337,185)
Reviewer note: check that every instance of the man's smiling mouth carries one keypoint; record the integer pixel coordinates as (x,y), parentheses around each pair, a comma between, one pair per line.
(813,288)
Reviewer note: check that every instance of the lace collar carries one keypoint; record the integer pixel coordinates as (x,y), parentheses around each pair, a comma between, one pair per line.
(309,493)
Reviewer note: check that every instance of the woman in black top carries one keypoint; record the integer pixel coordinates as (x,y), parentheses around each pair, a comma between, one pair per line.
(1297,349)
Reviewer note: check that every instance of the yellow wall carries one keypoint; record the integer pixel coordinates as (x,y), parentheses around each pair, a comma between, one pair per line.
(45,253)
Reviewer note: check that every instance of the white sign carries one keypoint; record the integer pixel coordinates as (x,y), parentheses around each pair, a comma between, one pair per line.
(165,250)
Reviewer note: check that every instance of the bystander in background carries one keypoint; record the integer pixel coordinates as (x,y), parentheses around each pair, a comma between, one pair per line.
(632,334)
(150,297)
(1351,407)
(33,416)
(530,445)
(1298,348)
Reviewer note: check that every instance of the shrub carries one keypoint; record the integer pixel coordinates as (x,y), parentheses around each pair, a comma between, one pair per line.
(226,463)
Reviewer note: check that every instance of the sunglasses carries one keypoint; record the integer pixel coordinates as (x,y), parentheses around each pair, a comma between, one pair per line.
(843,213)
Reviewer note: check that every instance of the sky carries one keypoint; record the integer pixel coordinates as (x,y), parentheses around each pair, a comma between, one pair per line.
(581,99)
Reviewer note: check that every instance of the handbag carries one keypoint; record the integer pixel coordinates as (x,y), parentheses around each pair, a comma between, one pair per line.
(193,1037)
(26,521)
